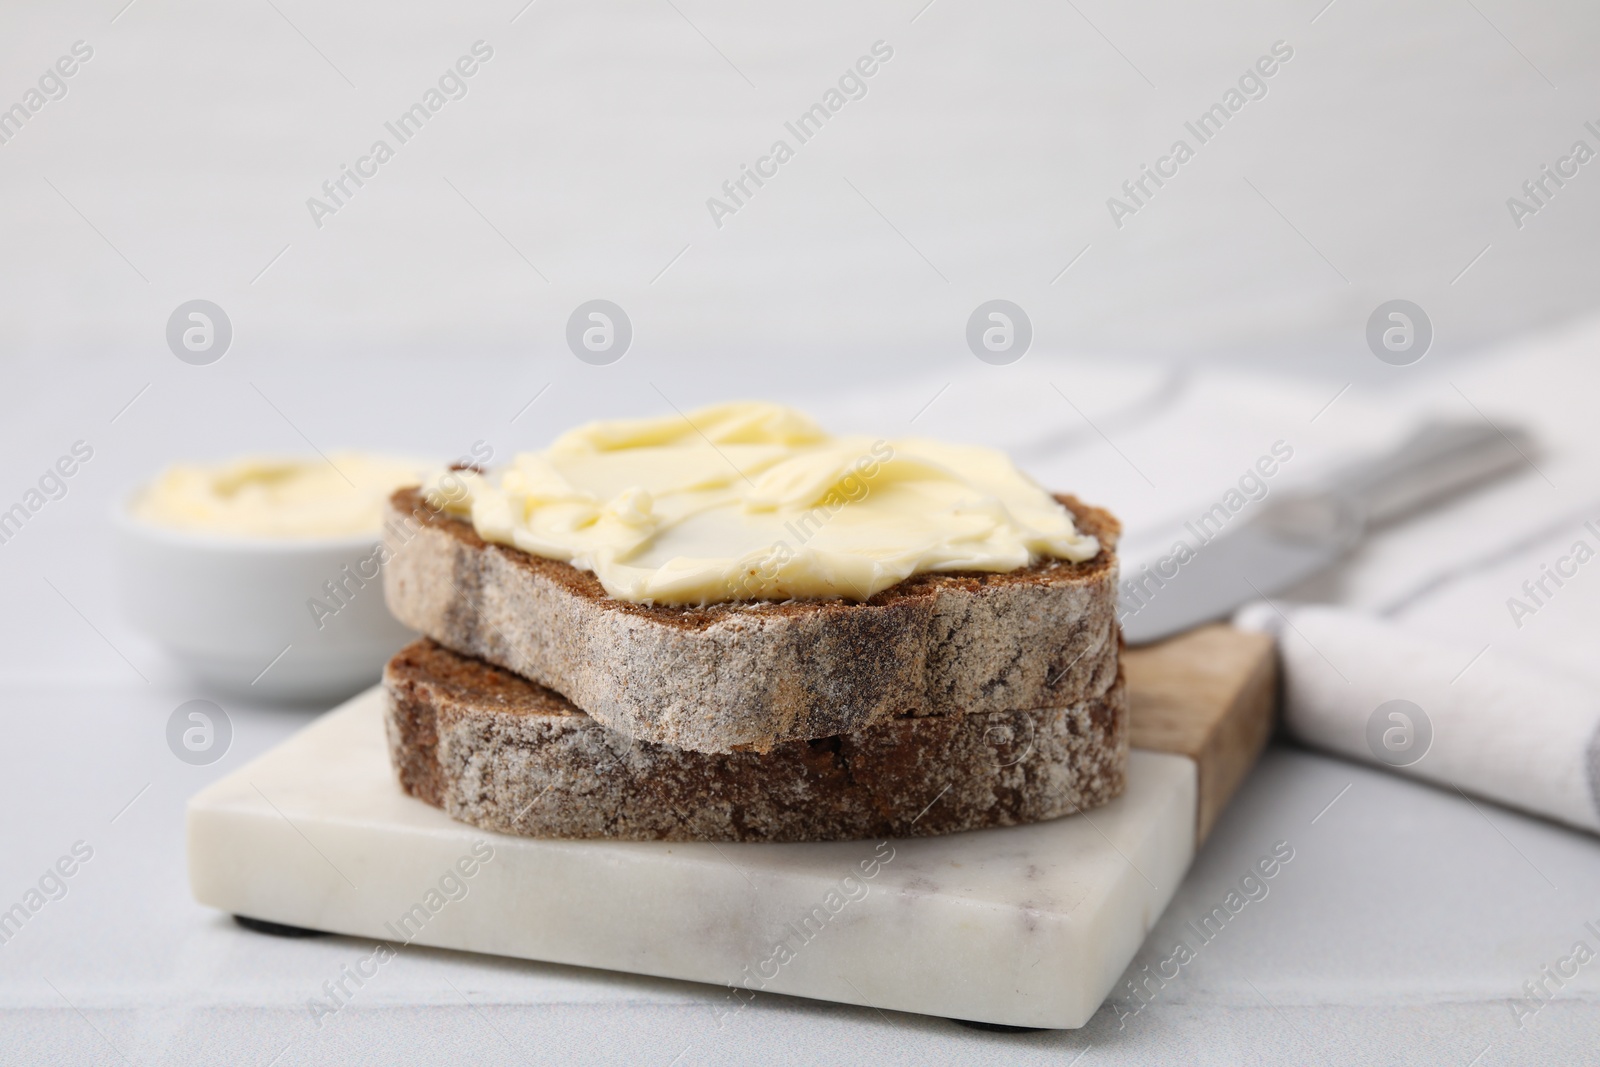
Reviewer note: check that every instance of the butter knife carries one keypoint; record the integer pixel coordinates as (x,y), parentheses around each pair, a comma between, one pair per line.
(1297,534)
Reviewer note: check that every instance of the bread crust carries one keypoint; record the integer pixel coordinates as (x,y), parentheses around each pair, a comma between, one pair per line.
(751,675)
(501,753)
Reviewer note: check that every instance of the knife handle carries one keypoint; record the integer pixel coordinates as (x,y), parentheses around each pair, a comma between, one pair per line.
(1439,460)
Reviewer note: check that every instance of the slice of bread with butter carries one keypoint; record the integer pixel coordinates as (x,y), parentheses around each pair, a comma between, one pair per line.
(775,584)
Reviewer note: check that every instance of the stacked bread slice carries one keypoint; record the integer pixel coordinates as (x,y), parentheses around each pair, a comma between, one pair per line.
(537,704)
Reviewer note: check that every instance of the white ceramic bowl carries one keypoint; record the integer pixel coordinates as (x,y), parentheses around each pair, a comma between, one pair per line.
(254,616)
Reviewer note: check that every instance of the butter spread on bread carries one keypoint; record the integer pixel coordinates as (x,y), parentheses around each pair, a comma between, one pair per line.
(747,501)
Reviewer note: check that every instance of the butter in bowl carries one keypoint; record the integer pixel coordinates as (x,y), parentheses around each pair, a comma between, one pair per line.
(263,575)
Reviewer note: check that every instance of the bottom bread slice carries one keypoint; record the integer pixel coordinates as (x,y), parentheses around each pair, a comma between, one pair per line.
(497,751)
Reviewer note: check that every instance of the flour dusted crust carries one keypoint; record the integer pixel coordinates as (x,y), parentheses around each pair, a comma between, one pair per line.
(501,753)
(752,675)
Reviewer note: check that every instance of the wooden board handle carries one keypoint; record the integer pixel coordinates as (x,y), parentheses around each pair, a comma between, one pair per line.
(1209,694)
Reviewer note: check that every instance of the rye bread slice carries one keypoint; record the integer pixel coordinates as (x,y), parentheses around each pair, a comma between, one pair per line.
(494,750)
(750,675)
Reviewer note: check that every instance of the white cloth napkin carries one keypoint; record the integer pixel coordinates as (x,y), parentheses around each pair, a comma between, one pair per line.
(1483,613)
(1521,733)
(1454,612)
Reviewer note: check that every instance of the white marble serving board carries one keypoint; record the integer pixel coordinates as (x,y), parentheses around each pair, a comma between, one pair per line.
(1024,926)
